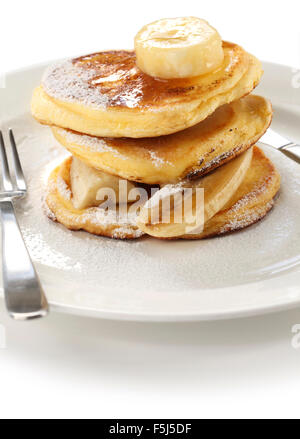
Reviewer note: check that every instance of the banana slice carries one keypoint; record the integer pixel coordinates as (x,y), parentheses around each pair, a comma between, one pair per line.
(86,183)
(178,48)
(184,208)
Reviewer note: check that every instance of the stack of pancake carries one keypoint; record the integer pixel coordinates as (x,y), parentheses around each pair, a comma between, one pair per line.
(157,135)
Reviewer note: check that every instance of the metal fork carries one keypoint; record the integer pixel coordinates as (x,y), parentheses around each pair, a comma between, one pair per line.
(23,293)
(284,145)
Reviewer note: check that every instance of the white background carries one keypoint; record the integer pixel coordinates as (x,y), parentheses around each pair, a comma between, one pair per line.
(67,366)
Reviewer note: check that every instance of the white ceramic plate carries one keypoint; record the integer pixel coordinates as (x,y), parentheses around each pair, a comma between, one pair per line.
(250,272)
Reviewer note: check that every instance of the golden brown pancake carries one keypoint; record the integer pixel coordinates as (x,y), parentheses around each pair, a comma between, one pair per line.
(191,153)
(251,202)
(105,94)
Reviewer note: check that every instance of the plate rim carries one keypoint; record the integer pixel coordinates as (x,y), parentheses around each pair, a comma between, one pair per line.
(242,312)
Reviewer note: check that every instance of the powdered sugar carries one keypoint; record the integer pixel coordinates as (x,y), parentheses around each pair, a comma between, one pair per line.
(63,189)
(258,189)
(166,192)
(158,161)
(115,223)
(95,144)
(70,83)
(214,162)
(99,144)
(47,210)
(247,218)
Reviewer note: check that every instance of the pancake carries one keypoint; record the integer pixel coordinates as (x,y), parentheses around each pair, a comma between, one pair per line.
(59,207)
(105,94)
(192,153)
(251,202)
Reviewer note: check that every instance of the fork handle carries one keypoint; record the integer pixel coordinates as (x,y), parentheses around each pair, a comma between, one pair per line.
(292,151)
(23,293)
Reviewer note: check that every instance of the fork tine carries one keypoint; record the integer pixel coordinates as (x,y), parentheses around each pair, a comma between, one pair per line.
(6,179)
(20,179)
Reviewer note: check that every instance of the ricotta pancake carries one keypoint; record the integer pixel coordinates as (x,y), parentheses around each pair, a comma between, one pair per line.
(105,94)
(250,203)
(192,153)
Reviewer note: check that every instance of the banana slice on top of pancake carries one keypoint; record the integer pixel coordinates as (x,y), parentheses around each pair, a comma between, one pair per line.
(179,47)
(106,94)
(192,153)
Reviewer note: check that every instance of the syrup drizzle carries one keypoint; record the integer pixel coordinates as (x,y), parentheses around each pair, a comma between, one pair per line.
(112,79)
